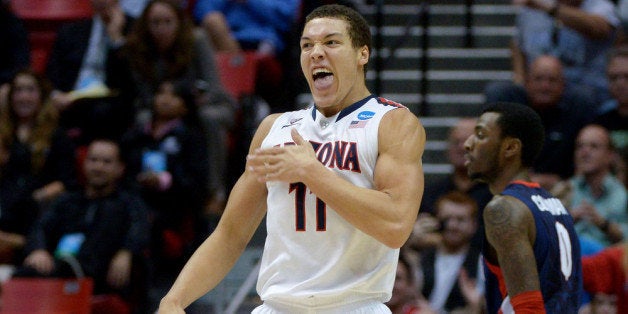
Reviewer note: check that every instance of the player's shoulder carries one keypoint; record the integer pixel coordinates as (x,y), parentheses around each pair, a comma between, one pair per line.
(397,117)
(285,119)
(269,120)
(503,209)
(505,201)
(389,106)
(264,129)
(507,220)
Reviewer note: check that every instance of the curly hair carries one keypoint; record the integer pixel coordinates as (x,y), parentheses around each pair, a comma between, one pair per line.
(523,123)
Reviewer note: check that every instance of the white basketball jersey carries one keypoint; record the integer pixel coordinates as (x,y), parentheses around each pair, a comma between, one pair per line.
(312,256)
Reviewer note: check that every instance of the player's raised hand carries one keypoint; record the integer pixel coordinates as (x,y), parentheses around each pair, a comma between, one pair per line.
(288,163)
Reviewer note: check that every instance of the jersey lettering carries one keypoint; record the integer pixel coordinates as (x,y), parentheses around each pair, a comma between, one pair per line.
(339,154)
(551,205)
(564,244)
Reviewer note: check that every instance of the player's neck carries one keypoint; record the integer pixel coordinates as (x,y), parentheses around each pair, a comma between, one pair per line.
(498,185)
(343,103)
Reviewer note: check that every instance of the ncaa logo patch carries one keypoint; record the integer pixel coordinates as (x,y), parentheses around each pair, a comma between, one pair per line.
(365,115)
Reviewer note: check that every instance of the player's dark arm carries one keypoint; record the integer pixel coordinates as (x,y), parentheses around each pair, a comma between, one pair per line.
(510,230)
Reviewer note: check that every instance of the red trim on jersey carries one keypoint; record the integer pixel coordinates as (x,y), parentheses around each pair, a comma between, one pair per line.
(497,271)
(389,102)
(528,302)
(526,183)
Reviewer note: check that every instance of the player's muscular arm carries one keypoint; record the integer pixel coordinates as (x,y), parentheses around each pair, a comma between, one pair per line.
(389,211)
(510,230)
(243,213)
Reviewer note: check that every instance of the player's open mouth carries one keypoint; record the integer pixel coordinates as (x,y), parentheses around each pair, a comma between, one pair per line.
(323,78)
(467,159)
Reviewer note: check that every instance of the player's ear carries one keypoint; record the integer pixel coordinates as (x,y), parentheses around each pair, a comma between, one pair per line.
(364,55)
(512,147)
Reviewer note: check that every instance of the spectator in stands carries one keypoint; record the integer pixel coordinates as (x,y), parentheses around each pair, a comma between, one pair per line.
(616,119)
(599,200)
(78,70)
(605,275)
(15,51)
(164,45)
(442,265)
(262,26)
(252,25)
(406,298)
(103,226)
(16,205)
(564,111)
(578,32)
(38,145)
(167,159)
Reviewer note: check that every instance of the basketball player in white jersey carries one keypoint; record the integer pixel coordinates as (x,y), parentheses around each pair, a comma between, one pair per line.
(340,182)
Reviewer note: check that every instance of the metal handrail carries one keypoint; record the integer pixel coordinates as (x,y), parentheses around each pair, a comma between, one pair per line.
(425,43)
(469,40)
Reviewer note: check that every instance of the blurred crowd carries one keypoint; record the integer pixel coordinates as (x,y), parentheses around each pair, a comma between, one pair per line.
(121,149)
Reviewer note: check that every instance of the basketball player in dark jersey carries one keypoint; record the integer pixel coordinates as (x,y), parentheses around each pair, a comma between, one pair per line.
(531,252)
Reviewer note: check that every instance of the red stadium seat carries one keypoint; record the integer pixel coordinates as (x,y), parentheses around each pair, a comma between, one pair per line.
(41,43)
(237,72)
(46,295)
(52,10)
(43,18)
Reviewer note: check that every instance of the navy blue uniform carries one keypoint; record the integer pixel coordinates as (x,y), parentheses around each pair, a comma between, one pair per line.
(556,251)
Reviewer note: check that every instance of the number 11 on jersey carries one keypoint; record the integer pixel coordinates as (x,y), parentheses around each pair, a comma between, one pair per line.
(299,206)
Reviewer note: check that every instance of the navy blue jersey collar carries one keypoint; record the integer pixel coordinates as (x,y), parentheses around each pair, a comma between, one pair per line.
(348,110)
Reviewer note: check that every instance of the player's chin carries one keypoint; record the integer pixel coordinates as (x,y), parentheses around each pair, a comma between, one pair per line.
(473,175)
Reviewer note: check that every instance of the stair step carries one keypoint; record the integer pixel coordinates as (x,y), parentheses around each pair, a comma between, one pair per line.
(450,38)
(442,14)
(444,58)
(436,75)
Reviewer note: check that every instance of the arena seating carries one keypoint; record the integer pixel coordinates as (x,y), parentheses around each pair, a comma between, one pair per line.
(43,18)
